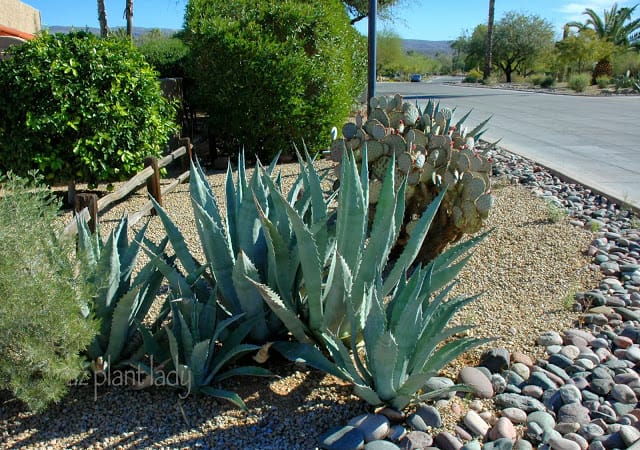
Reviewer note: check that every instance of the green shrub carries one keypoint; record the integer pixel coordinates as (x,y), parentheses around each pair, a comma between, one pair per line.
(537,79)
(473,76)
(579,82)
(167,54)
(547,81)
(79,107)
(603,81)
(274,73)
(491,80)
(42,330)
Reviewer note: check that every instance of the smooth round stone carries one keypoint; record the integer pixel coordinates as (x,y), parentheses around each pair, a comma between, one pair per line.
(496,360)
(416,422)
(629,435)
(435,383)
(575,437)
(521,369)
(541,380)
(475,423)
(560,443)
(573,412)
(601,386)
(373,426)
(550,434)
(499,444)
(553,349)
(381,445)
(415,440)
(567,427)
(562,360)
(513,377)
(622,342)
(570,394)
(430,416)
(590,431)
(447,441)
(472,445)
(462,434)
(396,433)
(523,402)
(522,444)
(587,353)
(557,374)
(587,364)
(623,393)
(342,438)
(606,413)
(600,343)
(582,335)
(503,429)
(519,357)
(543,419)
(515,415)
(392,414)
(498,383)
(549,338)
(477,380)
(597,445)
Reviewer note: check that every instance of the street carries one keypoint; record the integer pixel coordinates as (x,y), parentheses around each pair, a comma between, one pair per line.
(593,140)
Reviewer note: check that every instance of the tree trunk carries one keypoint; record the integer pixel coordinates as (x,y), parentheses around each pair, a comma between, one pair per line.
(128,12)
(489,54)
(102,18)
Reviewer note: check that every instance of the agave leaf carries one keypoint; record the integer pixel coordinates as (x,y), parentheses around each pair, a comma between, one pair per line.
(248,227)
(351,226)
(176,238)
(336,295)
(232,210)
(287,315)
(121,324)
(182,333)
(179,284)
(310,355)
(385,357)
(450,351)
(88,247)
(342,358)
(462,120)
(107,282)
(367,394)
(403,306)
(225,395)
(198,361)
(413,246)
(227,355)
(218,254)
(152,348)
(476,132)
(151,285)
(249,297)
(252,371)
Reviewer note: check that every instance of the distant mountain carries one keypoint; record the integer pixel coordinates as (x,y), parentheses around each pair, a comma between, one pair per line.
(137,31)
(430,48)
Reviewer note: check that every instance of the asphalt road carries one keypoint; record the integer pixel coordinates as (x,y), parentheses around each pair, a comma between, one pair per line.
(593,140)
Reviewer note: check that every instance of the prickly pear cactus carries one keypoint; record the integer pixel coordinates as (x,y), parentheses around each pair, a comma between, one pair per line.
(433,153)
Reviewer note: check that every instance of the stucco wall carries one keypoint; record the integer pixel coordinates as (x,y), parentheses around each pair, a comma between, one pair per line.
(15,14)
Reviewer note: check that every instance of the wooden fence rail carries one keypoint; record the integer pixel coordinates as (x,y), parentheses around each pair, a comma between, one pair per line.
(149,175)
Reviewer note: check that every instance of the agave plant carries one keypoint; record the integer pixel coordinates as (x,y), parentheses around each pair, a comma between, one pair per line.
(119,303)
(235,246)
(395,347)
(202,348)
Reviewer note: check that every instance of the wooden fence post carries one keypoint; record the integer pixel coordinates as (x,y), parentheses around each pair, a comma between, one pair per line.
(89,201)
(153,183)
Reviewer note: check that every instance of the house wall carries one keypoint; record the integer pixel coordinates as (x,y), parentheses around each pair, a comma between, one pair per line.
(18,15)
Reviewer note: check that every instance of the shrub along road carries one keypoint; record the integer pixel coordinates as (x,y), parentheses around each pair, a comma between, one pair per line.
(592,140)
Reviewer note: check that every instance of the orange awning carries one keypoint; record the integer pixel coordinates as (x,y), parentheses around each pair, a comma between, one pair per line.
(8,31)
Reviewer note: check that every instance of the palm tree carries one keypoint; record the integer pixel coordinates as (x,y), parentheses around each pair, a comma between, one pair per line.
(489,54)
(615,26)
(102,18)
(128,13)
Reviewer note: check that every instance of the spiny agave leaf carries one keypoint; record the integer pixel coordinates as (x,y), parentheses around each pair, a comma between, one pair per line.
(281,273)
(251,371)
(153,349)
(341,358)
(415,243)
(384,356)
(176,238)
(107,281)
(248,227)
(245,276)
(232,209)
(218,254)
(198,361)
(178,283)
(336,294)
(450,351)
(476,132)
(208,319)
(310,355)
(462,120)
(225,395)
(407,311)
(87,246)
(225,356)
(285,313)
(181,331)
(173,347)
(351,223)
(121,324)
(367,394)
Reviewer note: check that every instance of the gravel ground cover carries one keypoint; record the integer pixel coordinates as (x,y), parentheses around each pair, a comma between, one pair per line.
(528,269)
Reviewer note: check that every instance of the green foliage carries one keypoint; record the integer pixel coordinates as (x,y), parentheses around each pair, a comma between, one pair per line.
(615,25)
(543,80)
(579,82)
(578,51)
(119,303)
(518,40)
(404,337)
(269,73)
(166,54)
(627,82)
(626,63)
(391,59)
(77,107)
(603,81)
(473,76)
(42,330)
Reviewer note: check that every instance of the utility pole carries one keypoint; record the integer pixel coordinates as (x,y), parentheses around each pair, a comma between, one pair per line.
(371,85)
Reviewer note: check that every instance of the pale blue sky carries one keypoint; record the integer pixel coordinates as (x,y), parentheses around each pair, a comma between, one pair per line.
(416,19)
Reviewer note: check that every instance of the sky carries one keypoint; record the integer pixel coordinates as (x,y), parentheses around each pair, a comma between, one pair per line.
(415,19)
